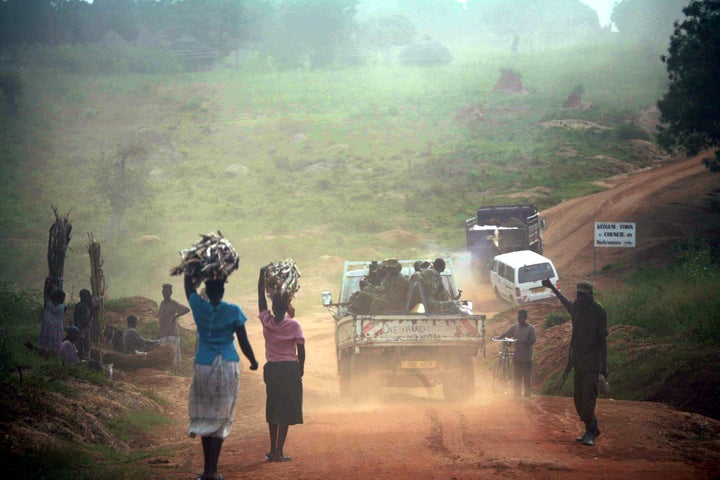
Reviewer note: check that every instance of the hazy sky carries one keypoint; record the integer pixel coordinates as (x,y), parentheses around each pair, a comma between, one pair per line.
(603,9)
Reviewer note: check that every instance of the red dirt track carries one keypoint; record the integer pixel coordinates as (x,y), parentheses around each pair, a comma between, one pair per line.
(415,434)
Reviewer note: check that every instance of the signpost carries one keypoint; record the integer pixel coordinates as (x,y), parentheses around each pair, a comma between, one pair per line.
(614,234)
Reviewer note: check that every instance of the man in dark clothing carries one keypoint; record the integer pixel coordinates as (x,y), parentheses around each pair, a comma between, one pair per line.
(524,335)
(588,353)
(83,314)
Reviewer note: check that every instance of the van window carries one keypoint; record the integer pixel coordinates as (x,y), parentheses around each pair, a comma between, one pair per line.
(495,266)
(535,273)
(509,273)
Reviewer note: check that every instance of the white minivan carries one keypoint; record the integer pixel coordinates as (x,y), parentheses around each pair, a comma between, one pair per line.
(517,276)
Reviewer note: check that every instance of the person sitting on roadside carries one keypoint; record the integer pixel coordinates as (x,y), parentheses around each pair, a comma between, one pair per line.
(133,341)
(68,348)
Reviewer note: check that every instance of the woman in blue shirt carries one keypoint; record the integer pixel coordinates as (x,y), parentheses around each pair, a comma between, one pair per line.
(216,375)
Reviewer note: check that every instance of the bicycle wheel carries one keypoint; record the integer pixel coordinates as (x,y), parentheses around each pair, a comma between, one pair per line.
(497,372)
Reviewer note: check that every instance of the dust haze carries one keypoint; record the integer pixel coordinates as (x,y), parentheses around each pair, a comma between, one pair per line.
(147,161)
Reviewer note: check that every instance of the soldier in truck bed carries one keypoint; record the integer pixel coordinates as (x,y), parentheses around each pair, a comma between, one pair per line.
(428,275)
(389,295)
(374,276)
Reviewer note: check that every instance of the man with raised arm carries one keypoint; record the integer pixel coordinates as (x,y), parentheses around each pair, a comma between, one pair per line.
(588,353)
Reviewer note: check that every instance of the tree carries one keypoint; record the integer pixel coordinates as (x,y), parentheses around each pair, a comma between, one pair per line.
(649,21)
(552,19)
(690,110)
(11,87)
(310,29)
(120,179)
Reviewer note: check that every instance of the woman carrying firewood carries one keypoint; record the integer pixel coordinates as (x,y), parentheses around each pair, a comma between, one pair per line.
(285,354)
(51,333)
(216,368)
(216,375)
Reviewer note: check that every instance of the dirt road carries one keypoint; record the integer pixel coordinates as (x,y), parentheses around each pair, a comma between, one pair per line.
(414,434)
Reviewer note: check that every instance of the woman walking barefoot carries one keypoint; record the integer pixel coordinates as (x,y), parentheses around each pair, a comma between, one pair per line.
(216,376)
(285,355)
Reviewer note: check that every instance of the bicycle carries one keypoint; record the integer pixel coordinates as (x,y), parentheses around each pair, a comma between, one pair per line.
(502,369)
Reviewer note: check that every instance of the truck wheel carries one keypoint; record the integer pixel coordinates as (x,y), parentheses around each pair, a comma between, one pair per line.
(345,376)
(360,385)
(461,385)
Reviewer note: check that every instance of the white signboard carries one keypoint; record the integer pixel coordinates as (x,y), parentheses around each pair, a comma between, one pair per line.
(614,234)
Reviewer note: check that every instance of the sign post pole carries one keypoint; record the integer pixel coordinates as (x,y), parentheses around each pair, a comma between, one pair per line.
(594,262)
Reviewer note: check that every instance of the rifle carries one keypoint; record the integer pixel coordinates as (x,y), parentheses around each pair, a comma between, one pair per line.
(568,367)
(564,377)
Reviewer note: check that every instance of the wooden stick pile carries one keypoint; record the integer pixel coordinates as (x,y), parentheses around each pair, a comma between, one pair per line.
(282,278)
(212,258)
(58,241)
(97,286)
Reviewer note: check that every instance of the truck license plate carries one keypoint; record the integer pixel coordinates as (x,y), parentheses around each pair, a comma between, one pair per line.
(538,289)
(418,364)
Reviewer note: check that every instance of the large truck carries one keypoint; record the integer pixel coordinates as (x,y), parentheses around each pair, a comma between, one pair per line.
(498,229)
(421,344)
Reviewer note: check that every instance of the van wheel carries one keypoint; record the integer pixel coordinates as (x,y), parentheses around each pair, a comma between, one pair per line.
(497,294)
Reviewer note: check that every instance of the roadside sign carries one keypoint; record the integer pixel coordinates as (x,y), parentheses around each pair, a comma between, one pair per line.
(615,234)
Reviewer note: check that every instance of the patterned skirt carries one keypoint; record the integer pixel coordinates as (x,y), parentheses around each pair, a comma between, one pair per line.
(51,333)
(213,394)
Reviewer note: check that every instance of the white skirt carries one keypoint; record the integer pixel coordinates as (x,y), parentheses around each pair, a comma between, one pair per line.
(213,394)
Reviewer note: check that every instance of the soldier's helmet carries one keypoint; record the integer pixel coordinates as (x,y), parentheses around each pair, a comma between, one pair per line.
(391,264)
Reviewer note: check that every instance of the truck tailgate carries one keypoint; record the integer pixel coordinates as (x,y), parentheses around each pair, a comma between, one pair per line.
(405,329)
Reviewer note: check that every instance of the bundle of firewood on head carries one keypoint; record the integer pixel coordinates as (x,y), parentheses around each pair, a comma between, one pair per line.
(212,258)
(58,240)
(281,285)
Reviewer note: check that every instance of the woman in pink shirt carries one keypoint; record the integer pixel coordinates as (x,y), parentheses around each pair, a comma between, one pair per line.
(285,355)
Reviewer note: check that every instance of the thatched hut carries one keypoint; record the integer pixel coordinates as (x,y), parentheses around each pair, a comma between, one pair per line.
(193,54)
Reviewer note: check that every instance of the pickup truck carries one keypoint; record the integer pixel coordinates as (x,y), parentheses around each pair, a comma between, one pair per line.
(424,344)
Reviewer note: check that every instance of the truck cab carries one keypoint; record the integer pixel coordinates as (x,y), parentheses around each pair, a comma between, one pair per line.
(498,229)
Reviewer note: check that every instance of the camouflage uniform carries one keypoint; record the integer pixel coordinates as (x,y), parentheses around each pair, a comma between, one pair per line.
(390,295)
(437,298)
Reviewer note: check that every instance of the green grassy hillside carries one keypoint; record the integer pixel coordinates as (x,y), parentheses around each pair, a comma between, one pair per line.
(321,162)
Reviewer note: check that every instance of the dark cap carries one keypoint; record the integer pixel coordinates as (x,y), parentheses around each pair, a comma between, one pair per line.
(585,287)
(73,330)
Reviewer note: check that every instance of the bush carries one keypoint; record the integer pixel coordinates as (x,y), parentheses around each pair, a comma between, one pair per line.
(90,59)
(19,313)
(678,302)
(556,318)
(629,131)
